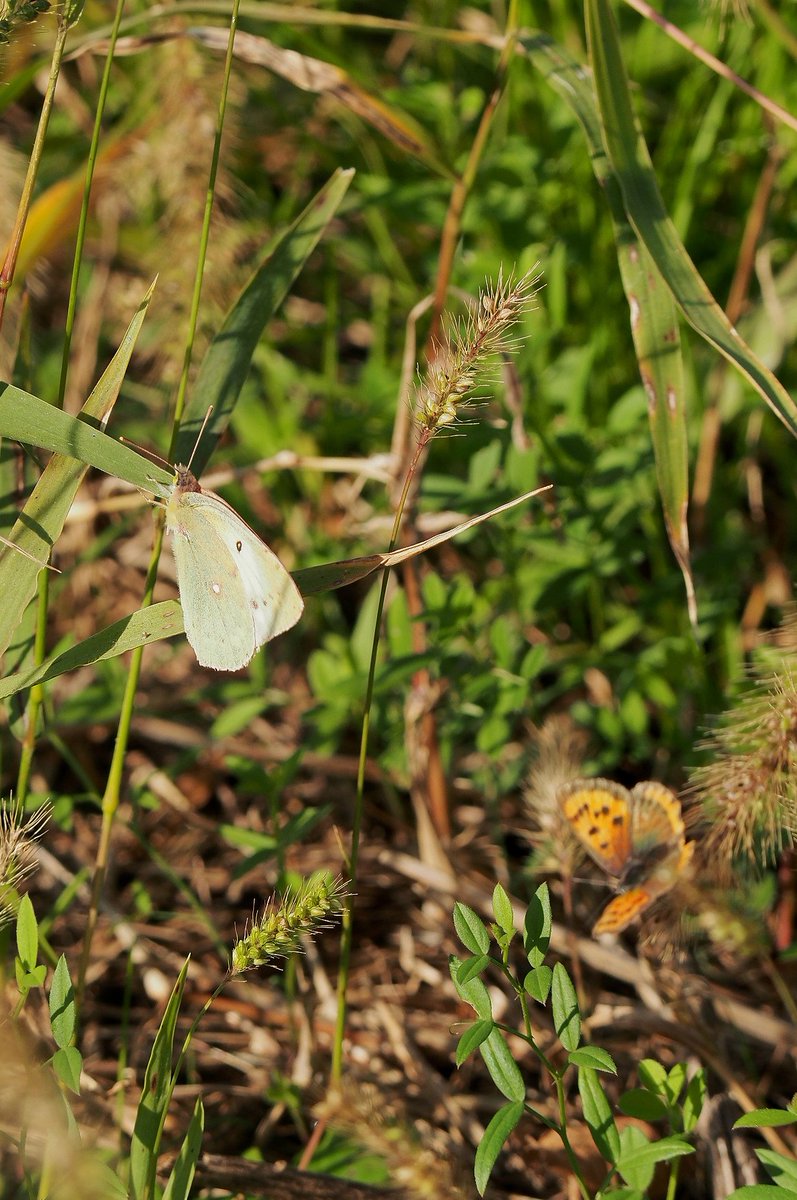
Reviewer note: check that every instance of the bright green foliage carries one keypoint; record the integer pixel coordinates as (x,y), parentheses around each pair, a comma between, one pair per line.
(665,1095)
(780,1168)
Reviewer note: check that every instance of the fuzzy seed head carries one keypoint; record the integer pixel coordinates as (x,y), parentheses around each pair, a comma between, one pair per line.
(17,860)
(459,361)
(284,922)
(748,791)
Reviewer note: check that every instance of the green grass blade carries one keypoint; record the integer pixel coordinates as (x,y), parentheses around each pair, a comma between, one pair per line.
(225,366)
(156,1092)
(182,1176)
(29,419)
(654,324)
(631,162)
(147,625)
(42,519)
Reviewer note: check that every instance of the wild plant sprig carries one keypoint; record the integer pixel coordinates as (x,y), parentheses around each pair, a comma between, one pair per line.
(749,788)
(457,366)
(299,914)
(440,393)
(17,860)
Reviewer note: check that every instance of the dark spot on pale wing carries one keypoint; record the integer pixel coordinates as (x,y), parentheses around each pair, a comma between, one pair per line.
(255,604)
(239,546)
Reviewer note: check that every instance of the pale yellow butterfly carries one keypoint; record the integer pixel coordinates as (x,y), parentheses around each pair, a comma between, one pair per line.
(235,593)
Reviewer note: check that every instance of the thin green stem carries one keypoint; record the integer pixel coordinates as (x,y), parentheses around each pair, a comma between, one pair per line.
(204,239)
(575,1166)
(84,208)
(347,936)
(672,1182)
(113,787)
(10,263)
(36,698)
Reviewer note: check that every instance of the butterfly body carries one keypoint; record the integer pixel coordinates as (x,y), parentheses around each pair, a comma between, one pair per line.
(637,837)
(235,593)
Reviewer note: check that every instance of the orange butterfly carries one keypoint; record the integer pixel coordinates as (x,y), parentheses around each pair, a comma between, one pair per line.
(637,837)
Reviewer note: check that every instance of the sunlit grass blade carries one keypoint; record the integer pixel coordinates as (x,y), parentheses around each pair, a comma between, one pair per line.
(156,1093)
(225,366)
(43,516)
(147,625)
(654,324)
(29,419)
(631,162)
(327,576)
(654,327)
(328,79)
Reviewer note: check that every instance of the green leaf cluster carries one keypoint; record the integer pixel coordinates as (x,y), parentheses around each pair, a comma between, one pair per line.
(671,1096)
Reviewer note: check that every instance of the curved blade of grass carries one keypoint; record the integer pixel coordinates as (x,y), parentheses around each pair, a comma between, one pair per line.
(155,1095)
(147,625)
(654,324)
(42,519)
(29,419)
(325,78)
(328,576)
(226,363)
(631,163)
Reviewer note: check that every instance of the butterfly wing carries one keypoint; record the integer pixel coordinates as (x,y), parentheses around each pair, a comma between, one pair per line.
(275,602)
(625,908)
(622,910)
(235,592)
(599,812)
(656,819)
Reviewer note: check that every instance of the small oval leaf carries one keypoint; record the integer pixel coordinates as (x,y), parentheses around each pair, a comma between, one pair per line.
(598,1114)
(593,1056)
(471,930)
(564,1006)
(503,1069)
(472,1038)
(471,968)
(473,992)
(492,1143)
(537,926)
(67,1064)
(638,1102)
(765,1118)
(538,983)
(502,907)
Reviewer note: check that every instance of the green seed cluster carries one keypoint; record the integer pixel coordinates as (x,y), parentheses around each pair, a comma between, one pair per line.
(299,914)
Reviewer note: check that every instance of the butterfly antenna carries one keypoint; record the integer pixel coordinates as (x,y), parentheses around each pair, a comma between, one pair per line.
(199,436)
(143,450)
(13,546)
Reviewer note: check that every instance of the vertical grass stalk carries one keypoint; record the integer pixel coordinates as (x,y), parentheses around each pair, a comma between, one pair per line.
(112,794)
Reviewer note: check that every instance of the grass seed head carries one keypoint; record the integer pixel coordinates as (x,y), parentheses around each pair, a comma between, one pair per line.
(299,914)
(461,358)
